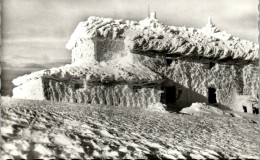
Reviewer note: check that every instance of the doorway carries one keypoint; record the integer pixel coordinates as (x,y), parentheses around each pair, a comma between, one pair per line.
(255,110)
(170,97)
(212,95)
(245,109)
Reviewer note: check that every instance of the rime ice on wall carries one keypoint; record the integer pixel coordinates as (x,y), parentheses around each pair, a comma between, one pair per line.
(117,94)
(194,77)
(150,35)
(108,49)
(251,80)
(198,78)
(130,63)
(84,52)
(99,49)
(108,94)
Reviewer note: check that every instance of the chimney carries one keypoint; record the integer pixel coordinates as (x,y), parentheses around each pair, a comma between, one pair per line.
(210,23)
(153,15)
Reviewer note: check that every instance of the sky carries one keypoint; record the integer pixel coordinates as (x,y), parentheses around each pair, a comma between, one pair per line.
(35,32)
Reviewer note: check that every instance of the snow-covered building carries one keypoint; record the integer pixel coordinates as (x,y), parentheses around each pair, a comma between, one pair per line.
(140,63)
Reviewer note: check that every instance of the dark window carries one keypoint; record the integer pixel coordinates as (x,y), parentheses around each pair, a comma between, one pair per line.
(178,95)
(244,108)
(170,95)
(169,61)
(136,88)
(212,95)
(211,65)
(78,86)
(255,110)
(169,55)
(170,98)
(163,100)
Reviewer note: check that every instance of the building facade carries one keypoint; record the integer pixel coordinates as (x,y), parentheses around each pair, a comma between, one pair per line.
(141,63)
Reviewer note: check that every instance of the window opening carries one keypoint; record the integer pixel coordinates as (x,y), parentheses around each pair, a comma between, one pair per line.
(244,108)
(136,88)
(211,65)
(78,86)
(169,61)
(212,95)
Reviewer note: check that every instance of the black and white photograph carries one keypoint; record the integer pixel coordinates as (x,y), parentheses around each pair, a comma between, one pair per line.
(129,79)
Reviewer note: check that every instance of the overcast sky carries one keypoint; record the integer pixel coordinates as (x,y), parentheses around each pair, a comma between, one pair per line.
(36,31)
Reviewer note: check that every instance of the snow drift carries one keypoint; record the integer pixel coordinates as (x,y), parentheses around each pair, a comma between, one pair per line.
(201,108)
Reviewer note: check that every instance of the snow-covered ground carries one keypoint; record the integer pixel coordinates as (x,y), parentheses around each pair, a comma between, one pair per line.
(44,129)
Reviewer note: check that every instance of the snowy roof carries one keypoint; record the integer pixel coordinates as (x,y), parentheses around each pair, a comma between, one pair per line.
(150,36)
(104,72)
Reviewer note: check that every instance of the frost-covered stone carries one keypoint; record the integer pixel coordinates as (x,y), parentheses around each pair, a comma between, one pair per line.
(159,107)
(201,108)
(142,63)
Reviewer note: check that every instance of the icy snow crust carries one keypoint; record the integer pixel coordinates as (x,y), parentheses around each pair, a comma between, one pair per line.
(150,35)
(49,130)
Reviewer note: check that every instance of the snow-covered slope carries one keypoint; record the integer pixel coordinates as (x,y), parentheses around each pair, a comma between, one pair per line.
(49,130)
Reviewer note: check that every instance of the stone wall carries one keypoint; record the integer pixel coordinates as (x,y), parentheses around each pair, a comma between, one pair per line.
(251,80)
(194,76)
(98,49)
(108,49)
(84,51)
(107,94)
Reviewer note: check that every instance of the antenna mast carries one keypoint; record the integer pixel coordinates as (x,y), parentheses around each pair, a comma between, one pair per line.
(149,10)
